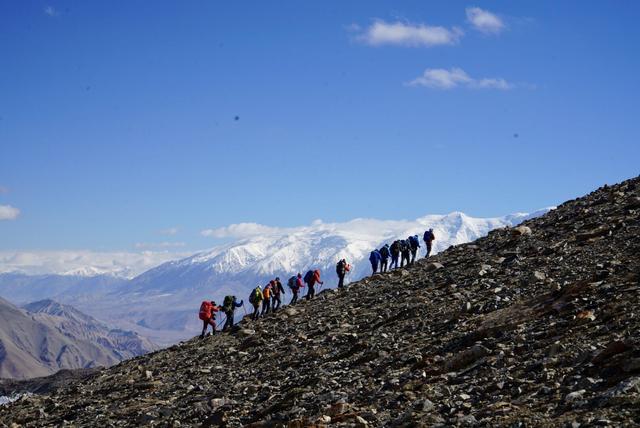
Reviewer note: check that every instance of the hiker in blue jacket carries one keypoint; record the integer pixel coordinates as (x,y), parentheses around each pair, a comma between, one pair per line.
(384,253)
(375,258)
(428,239)
(414,244)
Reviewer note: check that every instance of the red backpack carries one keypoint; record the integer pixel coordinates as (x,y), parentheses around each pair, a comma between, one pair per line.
(205,310)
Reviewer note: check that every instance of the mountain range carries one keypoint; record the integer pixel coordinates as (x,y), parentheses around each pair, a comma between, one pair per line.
(46,336)
(162,302)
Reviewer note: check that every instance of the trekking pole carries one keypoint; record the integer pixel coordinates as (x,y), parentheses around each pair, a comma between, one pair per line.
(223,323)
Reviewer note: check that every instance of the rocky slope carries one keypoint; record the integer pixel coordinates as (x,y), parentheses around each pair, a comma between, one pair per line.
(52,337)
(536,325)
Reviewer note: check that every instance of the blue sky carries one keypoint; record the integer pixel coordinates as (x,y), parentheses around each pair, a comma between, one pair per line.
(130,126)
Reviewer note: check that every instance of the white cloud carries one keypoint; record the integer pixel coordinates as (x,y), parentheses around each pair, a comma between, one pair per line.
(240,230)
(127,264)
(50,11)
(440,78)
(170,231)
(7,212)
(404,34)
(160,244)
(484,21)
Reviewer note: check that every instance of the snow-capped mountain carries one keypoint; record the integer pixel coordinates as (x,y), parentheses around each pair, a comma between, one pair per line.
(287,251)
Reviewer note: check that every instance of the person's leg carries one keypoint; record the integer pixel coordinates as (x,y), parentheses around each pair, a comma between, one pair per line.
(229,322)
(294,297)
(428,250)
(204,328)
(256,307)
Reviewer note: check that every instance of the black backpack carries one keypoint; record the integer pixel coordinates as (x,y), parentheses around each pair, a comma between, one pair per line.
(340,268)
(308,277)
(384,252)
(395,247)
(292,282)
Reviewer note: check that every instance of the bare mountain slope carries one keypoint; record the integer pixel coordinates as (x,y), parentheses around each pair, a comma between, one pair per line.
(41,343)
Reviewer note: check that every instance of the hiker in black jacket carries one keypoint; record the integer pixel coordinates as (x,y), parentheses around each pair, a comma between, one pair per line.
(395,254)
(341,270)
(405,252)
(384,254)
(428,239)
(277,290)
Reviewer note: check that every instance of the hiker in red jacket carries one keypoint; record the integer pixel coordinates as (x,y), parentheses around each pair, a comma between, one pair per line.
(295,284)
(208,316)
(311,278)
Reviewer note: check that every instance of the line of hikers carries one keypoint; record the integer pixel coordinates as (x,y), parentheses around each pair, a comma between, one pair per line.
(404,249)
(269,298)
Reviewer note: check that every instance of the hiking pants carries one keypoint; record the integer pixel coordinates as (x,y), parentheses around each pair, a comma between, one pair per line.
(276,302)
(266,306)
(341,280)
(413,255)
(394,261)
(256,311)
(383,265)
(311,292)
(206,323)
(374,267)
(229,322)
(294,298)
(405,257)
(428,249)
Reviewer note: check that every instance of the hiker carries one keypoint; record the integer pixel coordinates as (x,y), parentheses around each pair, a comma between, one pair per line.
(384,254)
(255,298)
(207,315)
(374,258)
(266,293)
(414,244)
(428,239)
(229,306)
(405,252)
(277,290)
(295,283)
(310,278)
(341,270)
(395,254)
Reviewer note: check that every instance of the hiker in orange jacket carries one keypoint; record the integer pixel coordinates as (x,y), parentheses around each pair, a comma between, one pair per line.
(207,315)
(267,291)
